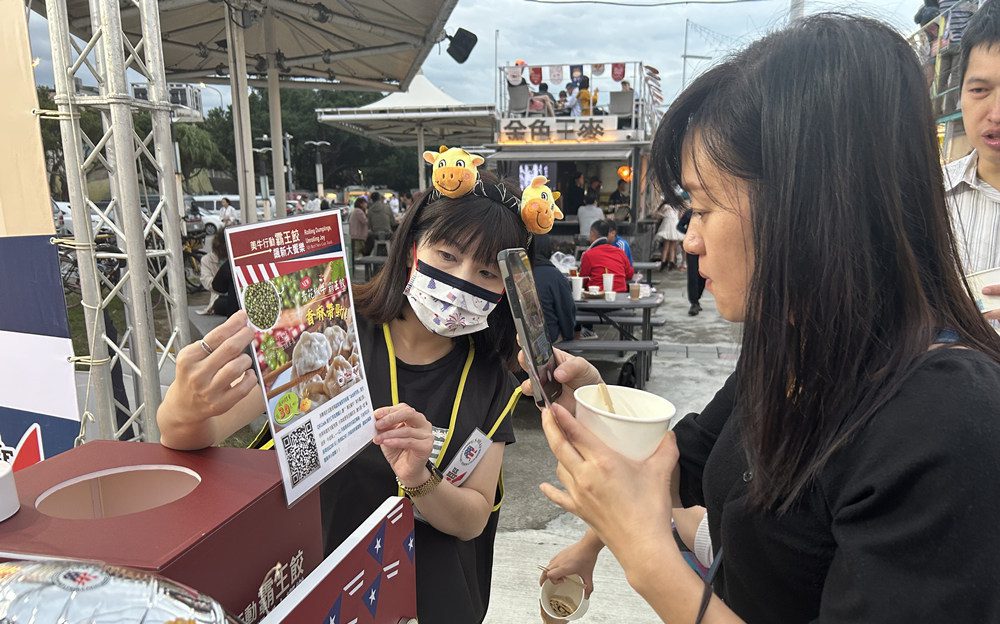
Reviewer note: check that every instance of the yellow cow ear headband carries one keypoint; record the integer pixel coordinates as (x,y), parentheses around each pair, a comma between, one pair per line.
(456,174)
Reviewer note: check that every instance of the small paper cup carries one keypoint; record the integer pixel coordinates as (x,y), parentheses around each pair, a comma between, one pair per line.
(979,280)
(564,601)
(594,289)
(609,295)
(642,420)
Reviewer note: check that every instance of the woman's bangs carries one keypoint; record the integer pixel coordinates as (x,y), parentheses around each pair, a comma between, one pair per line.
(478,226)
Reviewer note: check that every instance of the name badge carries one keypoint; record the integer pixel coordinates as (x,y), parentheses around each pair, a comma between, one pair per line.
(467,458)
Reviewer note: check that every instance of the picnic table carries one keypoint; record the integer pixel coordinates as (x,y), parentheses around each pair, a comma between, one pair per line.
(647,268)
(644,346)
(371,263)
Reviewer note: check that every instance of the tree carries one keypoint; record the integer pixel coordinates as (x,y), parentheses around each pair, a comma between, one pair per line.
(55,161)
(198,150)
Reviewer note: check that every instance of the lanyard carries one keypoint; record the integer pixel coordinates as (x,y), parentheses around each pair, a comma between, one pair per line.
(394,388)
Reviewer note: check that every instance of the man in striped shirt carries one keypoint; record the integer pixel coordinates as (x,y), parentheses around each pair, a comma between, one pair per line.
(973,183)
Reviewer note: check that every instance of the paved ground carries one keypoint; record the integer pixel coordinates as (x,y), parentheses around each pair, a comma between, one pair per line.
(696,356)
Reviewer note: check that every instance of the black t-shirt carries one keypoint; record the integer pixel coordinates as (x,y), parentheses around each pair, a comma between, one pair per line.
(903,524)
(617,197)
(453,576)
(572,200)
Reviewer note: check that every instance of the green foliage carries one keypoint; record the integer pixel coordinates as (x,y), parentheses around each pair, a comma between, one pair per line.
(198,150)
(382,165)
(210,145)
(90,124)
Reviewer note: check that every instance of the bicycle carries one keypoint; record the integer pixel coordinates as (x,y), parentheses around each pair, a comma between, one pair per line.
(109,269)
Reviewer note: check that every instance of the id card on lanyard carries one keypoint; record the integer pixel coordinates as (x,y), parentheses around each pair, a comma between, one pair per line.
(467,458)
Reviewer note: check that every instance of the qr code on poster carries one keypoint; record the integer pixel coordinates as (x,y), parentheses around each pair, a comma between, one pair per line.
(301,452)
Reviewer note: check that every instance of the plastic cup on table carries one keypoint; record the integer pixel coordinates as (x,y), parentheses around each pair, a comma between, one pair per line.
(576,282)
(609,281)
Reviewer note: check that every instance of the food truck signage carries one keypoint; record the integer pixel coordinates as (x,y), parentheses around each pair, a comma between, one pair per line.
(596,129)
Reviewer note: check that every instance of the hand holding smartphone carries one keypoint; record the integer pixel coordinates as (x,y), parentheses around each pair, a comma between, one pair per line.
(529,319)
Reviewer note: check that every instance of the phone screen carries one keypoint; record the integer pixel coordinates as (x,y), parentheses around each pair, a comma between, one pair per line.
(529,318)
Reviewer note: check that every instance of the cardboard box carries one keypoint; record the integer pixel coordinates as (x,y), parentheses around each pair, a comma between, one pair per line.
(224,529)
(369,579)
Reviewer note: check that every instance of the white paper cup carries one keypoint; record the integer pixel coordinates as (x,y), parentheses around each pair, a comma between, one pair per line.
(609,281)
(641,421)
(9,501)
(564,602)
(577,284)
(609,295)
(594,289)
(979,280)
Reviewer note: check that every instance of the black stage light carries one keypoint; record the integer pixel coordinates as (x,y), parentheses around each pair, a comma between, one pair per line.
(461,44)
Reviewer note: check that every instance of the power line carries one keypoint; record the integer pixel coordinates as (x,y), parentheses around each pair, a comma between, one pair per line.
(642,5)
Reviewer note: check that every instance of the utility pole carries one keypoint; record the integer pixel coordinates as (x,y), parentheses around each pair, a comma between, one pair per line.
(265,187)
(686,56)
(288,161)
(797,11)
(319,165)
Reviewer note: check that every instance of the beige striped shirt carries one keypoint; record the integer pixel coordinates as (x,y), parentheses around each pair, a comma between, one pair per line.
(975,213)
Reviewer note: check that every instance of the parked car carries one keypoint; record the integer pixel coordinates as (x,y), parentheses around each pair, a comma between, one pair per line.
(62,216)
(212,220)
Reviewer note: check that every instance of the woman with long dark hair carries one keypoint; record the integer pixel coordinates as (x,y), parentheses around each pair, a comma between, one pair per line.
(438,343)
(850,464)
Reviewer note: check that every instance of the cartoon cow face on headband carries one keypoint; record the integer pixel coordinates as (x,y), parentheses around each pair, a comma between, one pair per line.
(538,206)
(455,170)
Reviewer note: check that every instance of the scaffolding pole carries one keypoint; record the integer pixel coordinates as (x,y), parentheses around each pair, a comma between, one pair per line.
(274,111)
(146,248)
(76,185)
(241,113)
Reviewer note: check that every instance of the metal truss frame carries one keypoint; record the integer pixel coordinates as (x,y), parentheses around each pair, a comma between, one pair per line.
(151,282)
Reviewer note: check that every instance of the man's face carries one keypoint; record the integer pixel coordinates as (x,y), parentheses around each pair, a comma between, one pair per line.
(981,103)
(612,236)
(579,181)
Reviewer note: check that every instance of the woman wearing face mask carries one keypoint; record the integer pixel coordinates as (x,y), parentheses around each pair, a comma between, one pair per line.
(437,340)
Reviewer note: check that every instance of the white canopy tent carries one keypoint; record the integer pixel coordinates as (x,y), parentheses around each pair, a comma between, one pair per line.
(423,113)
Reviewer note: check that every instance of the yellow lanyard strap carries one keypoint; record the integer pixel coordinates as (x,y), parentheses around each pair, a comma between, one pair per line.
(394,388)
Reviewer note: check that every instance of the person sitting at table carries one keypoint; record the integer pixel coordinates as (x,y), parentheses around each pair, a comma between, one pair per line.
(620,194)
(562,105)
(554,293)
(618,241)
(604,257)
(587,214)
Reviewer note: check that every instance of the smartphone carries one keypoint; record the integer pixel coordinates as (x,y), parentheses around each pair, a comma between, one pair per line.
(530,322)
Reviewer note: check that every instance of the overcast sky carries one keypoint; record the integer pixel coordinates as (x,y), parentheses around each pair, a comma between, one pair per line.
(576,33)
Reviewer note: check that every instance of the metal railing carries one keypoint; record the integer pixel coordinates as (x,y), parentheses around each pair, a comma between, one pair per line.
(642,119)
(937,45)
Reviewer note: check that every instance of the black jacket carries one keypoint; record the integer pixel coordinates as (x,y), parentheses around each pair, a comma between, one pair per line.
(556,297)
